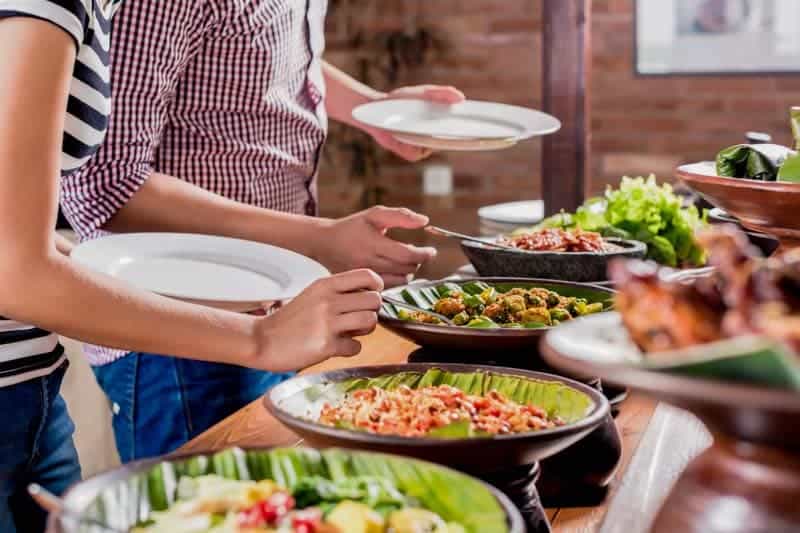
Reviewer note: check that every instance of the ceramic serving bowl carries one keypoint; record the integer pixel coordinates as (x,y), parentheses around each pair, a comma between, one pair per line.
(765,206)
(479,340)
(123,497)
(296,403)
(566,266)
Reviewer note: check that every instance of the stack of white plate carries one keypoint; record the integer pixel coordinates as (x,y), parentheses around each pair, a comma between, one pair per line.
(506,217)
(467,126)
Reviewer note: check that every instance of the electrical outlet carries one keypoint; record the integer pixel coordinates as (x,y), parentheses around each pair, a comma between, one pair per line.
(437,180)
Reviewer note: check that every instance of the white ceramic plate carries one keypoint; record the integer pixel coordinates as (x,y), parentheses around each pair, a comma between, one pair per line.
(525,212)
(454,145)
(216,271)
(468,120)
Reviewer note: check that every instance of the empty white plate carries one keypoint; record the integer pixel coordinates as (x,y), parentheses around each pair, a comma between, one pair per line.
(524,212)
(216,271)
(454,145)
(468,120)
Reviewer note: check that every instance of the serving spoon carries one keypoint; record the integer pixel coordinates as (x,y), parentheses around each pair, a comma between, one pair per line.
(55,505)
(441,232)
(399,303)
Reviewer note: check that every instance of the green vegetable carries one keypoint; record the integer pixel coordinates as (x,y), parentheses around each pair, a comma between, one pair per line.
(461,318)
(473,301)
(790,170)
(746,161)
(457,430)
(643,210)
(489,295)
(482,322)
(451,495)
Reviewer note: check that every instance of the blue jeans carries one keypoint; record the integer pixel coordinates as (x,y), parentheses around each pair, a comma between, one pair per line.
(161,402)
(35,447)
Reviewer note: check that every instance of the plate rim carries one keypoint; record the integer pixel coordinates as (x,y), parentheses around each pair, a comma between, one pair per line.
(483,209)
(83,254)
(358,111)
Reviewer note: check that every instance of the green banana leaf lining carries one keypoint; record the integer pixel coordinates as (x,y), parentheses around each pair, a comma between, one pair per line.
(555,398)
(454,496)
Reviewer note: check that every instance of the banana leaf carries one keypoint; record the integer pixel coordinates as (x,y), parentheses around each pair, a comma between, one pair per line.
(750,360)
(790,170)
(555,398)
(454,496)
(752,161)
(426,295)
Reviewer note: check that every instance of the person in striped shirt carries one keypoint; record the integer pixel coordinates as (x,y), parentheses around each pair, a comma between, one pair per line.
(218,130)
(54,108)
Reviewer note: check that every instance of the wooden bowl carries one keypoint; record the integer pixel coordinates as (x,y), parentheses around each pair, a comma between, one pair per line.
(292,402)
(749,479)
(465,339)
(765,206)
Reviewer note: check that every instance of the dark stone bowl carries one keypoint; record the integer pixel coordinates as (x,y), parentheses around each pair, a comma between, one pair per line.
(567,266)
(290,403)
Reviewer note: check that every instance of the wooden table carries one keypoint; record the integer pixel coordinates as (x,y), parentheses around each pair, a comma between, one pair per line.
(254,427)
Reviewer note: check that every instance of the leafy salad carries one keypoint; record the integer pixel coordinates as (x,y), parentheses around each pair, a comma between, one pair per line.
(642,210)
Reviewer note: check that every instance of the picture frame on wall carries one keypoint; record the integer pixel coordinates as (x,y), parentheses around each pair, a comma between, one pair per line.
(713,37)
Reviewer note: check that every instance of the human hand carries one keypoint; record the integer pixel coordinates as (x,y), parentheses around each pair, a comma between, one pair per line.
(433,93)
(320,323)
(360,241)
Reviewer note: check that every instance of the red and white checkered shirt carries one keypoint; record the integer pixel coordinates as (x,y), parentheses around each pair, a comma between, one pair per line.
(224,94)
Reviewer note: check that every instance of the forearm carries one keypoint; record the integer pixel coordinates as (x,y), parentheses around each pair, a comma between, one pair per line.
(58,295)
(165,203)
(345,93)
(63,245)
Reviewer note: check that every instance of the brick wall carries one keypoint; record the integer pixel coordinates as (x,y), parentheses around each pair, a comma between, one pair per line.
(491,49)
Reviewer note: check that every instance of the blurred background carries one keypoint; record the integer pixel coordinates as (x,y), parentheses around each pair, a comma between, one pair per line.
(491,49)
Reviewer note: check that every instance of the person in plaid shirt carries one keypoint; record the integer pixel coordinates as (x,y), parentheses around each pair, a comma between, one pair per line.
(220,114)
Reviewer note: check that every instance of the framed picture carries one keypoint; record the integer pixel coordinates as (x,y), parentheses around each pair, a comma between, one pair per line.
(695,37)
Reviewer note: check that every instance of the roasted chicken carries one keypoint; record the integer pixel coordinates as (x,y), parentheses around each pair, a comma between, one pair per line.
(746,294)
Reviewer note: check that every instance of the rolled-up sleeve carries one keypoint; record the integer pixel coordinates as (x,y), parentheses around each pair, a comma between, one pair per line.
(69,15)
(151,44)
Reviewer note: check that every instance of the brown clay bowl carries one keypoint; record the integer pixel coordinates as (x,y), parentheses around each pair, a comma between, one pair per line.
(466,339)
(769,207)
(296,403)
(119,497)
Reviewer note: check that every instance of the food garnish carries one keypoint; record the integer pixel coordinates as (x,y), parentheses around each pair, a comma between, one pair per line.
(746,295)
(479,305)
(363,504)
(763,162)
(641,210)
(440,411)
(559,240)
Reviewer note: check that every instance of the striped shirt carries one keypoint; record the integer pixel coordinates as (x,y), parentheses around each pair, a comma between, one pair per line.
(27,352)
(224,94)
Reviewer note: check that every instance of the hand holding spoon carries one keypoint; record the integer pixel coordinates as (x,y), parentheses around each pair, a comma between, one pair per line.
(441,232)
(399,303)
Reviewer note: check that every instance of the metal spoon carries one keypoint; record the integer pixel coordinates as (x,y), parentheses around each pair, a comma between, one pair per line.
(55,505)
(435,230)
(400,303)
